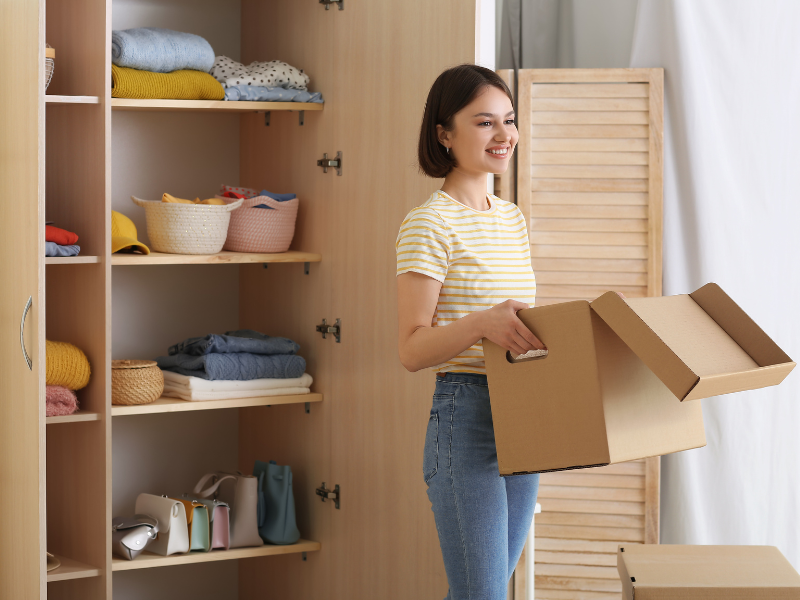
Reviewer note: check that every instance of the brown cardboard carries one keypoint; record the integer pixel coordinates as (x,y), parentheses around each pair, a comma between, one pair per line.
(700,344)
(606,392)
(666,572)
(590,401)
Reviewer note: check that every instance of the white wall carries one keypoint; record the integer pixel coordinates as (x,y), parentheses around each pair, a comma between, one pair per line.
(187,155)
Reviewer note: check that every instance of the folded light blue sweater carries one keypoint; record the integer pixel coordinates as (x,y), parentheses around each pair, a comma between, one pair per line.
(160,50)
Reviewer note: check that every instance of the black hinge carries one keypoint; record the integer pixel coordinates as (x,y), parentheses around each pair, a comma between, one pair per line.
(329,494)
(328,3)
(335,329)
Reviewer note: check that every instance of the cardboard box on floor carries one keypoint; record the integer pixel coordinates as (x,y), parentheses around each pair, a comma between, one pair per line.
(666,572)
(619,378)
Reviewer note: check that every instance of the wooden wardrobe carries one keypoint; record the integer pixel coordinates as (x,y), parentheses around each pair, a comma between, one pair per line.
(363,430)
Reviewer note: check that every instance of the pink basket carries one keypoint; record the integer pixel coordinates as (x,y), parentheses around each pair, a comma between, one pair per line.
(260,229)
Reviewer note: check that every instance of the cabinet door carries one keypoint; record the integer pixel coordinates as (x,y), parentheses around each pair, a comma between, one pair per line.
(22,556)
(374,62)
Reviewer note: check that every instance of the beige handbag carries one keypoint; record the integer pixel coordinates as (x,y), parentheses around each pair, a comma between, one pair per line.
(173,531)
(240,492)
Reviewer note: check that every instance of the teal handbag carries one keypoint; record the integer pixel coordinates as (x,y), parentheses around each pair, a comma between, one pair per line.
(276,515)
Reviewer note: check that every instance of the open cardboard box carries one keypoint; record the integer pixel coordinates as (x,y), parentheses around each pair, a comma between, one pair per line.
(613,383)
(667,572)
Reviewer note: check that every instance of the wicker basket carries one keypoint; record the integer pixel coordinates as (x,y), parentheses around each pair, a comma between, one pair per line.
(135,382)
(259,229)
(49,64)
(186,228)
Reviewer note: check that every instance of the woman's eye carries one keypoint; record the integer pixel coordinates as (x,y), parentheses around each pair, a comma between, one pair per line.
(486,123)
(511,122)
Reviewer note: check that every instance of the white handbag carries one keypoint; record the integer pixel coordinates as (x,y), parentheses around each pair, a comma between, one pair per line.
(240,493)
(173,531)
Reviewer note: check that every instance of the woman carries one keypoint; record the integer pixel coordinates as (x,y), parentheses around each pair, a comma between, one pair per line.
(464,270)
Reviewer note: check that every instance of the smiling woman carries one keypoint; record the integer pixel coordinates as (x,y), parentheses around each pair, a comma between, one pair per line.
(463,272)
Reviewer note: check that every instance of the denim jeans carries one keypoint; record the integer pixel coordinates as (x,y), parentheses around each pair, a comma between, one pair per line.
(482,519)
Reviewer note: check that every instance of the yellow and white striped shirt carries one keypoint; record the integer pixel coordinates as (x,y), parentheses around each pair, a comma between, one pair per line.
(482,258)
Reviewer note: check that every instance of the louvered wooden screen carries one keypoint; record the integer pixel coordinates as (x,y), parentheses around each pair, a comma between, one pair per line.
(589,182)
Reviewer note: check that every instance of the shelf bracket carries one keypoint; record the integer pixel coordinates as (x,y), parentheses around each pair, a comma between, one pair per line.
(266,119)
(306,267)
(328,3)
(302,118)
(305,557)
(265,265)
(308,408)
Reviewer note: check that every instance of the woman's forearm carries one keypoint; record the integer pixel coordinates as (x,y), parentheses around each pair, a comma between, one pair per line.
(430,346)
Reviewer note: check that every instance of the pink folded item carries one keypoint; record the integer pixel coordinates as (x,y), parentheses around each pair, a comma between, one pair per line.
(59,401)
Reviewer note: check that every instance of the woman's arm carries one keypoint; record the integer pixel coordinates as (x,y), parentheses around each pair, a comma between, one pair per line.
(422,345)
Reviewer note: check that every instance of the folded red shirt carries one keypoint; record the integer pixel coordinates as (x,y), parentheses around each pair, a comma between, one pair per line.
(62,237)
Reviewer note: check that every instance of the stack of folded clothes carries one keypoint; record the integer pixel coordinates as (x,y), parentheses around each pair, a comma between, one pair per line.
(239,364)
(67,370)
(60,242)
(149,62)
(272,81)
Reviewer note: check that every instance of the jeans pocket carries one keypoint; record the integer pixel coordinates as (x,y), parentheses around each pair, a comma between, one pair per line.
(430,459)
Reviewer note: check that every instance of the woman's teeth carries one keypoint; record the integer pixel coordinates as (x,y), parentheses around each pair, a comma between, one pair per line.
(503,151)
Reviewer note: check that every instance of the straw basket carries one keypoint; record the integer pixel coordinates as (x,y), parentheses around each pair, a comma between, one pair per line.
(49,64)
(135,382)
(262,229)
(186,228)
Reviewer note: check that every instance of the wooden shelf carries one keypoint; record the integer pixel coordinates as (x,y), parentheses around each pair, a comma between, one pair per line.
(224,257)
(71,99)
(76,417)
(169,405)
(210,105)
(71,569)
(146,560)
(71,260)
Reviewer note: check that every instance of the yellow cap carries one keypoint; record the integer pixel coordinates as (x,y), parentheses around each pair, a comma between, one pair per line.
(123,235)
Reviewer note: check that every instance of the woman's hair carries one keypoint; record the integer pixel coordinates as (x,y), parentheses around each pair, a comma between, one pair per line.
(452,91)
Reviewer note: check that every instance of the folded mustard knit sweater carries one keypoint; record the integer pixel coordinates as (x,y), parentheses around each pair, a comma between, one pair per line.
(178,85)
(67,366)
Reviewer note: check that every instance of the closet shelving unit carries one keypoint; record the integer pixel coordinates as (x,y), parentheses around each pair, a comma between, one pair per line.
(76,121)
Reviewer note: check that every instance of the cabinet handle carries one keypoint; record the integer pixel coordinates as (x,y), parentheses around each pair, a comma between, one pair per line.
(22,333)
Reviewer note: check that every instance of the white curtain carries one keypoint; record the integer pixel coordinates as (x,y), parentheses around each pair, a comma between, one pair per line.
(732,215)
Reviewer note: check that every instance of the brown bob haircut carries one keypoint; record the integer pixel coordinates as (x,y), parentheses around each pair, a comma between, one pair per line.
(452,91)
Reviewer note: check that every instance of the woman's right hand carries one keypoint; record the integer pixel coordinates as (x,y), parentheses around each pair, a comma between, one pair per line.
(502,326)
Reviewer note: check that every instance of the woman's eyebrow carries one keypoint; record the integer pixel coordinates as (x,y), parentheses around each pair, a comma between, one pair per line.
(491,114)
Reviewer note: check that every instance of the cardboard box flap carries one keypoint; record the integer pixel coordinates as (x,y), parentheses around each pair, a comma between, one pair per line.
(635,332)
(739,326)
(661,571)
(692,352)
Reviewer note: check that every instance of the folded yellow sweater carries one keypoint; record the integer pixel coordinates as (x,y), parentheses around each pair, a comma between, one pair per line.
(178,85)
(173,200)
(67,365)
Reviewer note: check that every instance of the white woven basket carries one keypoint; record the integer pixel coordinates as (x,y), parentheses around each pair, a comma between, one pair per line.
(49,64)
(186,228)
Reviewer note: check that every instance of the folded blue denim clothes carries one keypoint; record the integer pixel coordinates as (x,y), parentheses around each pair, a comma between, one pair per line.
(257,93)
(53,249)
(237,366)
(160,50)
(221,344)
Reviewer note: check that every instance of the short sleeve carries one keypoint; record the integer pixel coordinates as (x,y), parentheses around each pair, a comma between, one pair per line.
(423,245)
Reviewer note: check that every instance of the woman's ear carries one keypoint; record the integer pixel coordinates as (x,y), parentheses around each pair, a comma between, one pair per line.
(443,136)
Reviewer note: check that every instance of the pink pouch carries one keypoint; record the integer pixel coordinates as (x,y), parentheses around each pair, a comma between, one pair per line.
(219,514)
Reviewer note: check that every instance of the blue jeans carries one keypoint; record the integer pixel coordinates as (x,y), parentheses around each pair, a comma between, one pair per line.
(482,519)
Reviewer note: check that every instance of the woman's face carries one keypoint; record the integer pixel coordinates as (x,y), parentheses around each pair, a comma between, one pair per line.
(484,135)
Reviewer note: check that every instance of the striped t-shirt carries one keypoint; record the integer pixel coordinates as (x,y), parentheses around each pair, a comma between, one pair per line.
(482,258)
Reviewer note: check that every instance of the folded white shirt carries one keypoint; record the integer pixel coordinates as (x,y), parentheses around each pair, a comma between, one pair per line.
(195,395)
(185,382)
